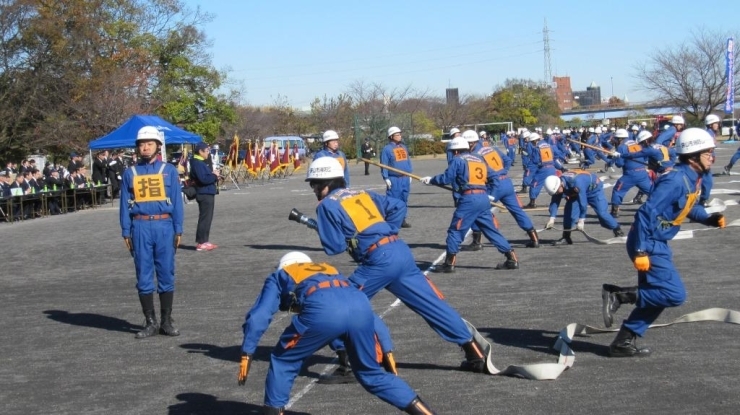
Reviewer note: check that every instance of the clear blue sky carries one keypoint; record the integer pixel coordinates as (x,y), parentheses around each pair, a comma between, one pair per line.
(299,50)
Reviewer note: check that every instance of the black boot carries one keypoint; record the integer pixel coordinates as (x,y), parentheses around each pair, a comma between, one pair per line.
(417,407)
(405,224)
(510,263)
(613,296)
(389,363)
(534,240)
(524,189)
(625,345)
(531,204)
(615,211)
(449,265)
(476,244)
(618,231)
(271,410)
(150,324)
(165,303)
(343,374)
(638,199)
(475,360)
(565,240)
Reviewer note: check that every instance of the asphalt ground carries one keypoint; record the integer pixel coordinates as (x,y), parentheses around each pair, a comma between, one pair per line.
(69,311)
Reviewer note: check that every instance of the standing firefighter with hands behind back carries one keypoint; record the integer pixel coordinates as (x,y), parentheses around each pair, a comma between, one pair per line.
(674,198)
(327,307)
(151,215)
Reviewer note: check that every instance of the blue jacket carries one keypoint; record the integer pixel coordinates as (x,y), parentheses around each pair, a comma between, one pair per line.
(202,176)
(466,172)
(356,219)
(283,290)
(396,156)
(628,159)
(671,202)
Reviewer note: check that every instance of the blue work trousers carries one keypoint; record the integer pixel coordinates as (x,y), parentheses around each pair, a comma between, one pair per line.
(154,254)
(542,173)
(327,314)
(598,202)
(631,178)
(400,186)
(392,266)
(503,192)
(474,210)
(658,288)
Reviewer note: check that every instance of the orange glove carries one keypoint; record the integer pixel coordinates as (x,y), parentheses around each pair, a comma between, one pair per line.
(642,262)
(244,369)
(716,219)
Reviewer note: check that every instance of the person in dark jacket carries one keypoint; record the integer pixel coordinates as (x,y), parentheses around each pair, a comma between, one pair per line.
(204,179)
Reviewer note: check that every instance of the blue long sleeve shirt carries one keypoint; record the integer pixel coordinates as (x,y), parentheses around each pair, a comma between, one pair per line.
(395,155)
(466,172)
(203,176)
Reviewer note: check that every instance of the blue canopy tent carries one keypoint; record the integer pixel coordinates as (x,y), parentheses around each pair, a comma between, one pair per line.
(125,135)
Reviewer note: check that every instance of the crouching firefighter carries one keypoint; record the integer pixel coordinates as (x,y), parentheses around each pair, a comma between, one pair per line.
(673,199)
(151,216)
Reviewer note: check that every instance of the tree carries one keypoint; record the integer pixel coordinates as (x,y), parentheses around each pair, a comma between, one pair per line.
(525,102)
(73,70)
(690,75)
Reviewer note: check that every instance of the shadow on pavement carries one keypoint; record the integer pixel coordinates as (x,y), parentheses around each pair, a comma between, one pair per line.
(92,320)
(228,353)
(285,247)
(193,403)
(427,366)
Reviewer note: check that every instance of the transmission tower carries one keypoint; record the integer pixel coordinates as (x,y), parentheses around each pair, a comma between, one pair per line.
(546,41)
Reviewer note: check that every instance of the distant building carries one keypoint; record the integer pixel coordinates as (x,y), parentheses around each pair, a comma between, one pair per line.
(452,96)
(590,97)
(563,92)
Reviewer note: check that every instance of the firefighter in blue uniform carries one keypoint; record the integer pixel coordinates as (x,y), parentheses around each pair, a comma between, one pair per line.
(659,285)
(331,149)
(543,158)
(502,190)
(327,307)
(366,225)
(151,216)
(581,190)
(634,170)
(527,165)
(668,136)
(395,154)
(469,176)
(454,132)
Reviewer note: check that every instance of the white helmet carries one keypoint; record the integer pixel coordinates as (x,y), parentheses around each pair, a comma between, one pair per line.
(693,140)
(329,135)
(549,131)
(150,133)
(482,134)
(215,147)
(598,130)
(454,131)
(634,127)
(644,135)
(470,136)
(711,119)
(677,119)
(534,137)
(324,168)
(552,184)
(613,129)
(591,130)
(291,258)
(644,124)
(526,134)
(460,143)
(622,133)
(393,130)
